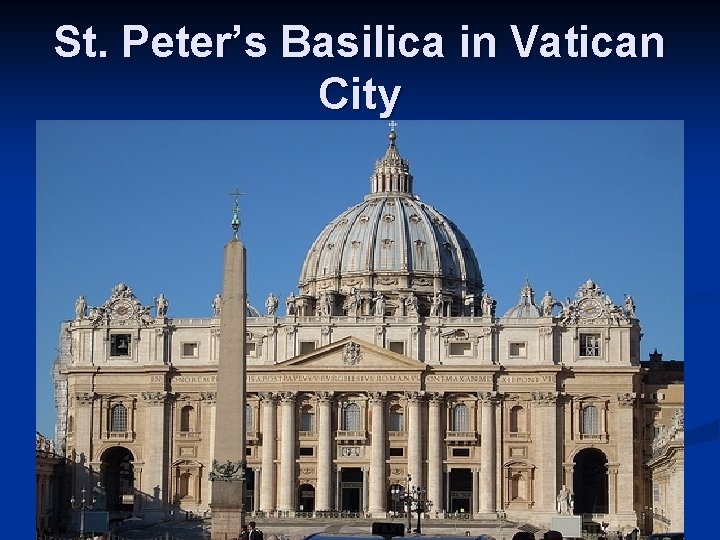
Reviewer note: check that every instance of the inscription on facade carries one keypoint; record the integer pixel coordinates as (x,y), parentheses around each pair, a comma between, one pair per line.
(192,379)
(527,379)
(459,378)
(334,377)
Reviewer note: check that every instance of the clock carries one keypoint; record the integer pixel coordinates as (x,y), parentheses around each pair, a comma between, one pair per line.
(122,309)
(590,309)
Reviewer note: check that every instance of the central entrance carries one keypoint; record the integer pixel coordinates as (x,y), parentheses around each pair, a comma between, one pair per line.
(461,491)
(351,486)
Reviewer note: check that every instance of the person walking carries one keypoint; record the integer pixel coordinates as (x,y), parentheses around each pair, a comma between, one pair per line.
(253,532)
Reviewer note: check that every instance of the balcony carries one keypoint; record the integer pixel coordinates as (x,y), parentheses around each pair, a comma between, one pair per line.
(187,435)
(350,436)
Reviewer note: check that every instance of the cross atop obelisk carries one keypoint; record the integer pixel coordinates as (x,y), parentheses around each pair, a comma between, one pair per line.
(236,212)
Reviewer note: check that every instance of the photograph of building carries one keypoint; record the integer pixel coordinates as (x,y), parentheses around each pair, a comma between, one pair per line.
(390,366)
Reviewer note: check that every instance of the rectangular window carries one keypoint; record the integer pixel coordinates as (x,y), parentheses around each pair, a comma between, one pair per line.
(589,344)
(460,349)
(250,349)
(397,347)
(190,350)
(461,452)
(518,350)
(397,452)
(307,347)
(120,344)
(307,451)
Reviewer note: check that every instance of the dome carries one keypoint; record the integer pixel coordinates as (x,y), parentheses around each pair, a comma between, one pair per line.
(525,308)
(392,243)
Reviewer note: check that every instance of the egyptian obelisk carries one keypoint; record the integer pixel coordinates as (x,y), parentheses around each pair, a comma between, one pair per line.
(227,475)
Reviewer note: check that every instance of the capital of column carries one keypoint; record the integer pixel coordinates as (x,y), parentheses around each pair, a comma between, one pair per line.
(324,396)
(155,398)
(487,397)
(267,397)
(288,397)
(209,397)
(627,399)
(84,398)
(435,399)
(545,398)
(415,396)
(377,397)
(612,468)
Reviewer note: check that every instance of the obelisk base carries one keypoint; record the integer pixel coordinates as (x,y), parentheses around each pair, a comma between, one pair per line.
(228,511)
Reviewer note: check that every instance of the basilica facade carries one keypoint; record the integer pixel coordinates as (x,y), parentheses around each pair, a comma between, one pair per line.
(390,368)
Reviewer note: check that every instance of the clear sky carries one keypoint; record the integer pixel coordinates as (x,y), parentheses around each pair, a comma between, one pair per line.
(147,203)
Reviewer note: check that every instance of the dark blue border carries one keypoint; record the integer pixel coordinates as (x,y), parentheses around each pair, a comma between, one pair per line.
(683,85)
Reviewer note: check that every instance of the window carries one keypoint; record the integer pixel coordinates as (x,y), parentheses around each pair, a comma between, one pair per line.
(184,485)
(517,419)
(351,417)
(461,452)
(190,350)
(396,418)
(120,344)
(397,347)
(397,452)
(589,420)
(248,418)
(460,420)
(307,451)
(518,350)
(118,418)
(307,347)
(250,349)
(589,344)
(186,418)
(517,487)
(460,349)
(307,419)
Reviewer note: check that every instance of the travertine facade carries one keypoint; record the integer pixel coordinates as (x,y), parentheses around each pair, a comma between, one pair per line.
(390,361)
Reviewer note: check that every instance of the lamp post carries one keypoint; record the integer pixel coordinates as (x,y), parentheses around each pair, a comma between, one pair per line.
(412,496)
(82,506)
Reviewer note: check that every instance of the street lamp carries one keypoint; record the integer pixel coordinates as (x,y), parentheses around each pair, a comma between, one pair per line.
(412,496)
(83,505)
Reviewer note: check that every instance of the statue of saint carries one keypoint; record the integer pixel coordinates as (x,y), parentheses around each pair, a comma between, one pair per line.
(548,302)
(271,304)
(411,304)
(353,302)
(629,306)
(436,306)
(161,305)
(217,305)
(564,500)
(80,308)
(379,302)
(290,304)
(488,305)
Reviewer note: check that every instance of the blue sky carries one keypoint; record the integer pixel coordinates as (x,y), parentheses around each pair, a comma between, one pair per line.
(147,203)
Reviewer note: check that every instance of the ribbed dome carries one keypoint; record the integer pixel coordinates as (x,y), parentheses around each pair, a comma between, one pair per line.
(392,243)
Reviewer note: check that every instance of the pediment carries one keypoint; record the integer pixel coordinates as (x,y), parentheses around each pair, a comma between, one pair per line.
(352,353)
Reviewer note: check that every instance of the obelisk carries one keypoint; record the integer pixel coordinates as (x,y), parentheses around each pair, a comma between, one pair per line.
(227,474)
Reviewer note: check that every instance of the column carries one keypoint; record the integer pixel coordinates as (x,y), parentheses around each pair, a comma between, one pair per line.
(267,493)
(545,429)
(475,491)
(415,439)
(487,452)
(287,453)
(154,479)
(378,475)
(364,502)
(323,493)
(626,447)
(447,489)
(436,439)
(83,440)
(338,477)
(257,473)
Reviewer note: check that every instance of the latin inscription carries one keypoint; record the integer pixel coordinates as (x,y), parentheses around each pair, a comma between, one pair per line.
(334,377)
(527,379)
(459,378)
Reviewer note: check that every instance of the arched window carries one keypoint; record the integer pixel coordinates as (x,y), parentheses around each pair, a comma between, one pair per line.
(589,420)
(460,418)
(517,487)
(517,419)
(397,419)
(307,418)
(186,418)
(118,418)
(351,417)
(248,418)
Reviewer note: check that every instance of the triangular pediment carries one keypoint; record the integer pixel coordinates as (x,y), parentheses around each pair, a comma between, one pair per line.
(352,353)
